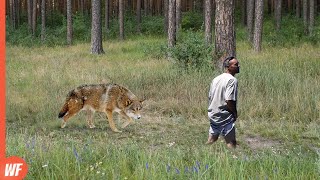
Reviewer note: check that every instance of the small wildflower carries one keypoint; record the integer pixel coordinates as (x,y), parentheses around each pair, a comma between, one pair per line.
(168,167)
(76,154)
(186,170)
(147,166)
(275,170)
(46,165)
(171,144)
(177,171)
(198,164)
(195,169)
(207,166)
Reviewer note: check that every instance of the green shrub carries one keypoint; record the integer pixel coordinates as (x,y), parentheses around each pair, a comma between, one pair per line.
(192,20)
(190,52)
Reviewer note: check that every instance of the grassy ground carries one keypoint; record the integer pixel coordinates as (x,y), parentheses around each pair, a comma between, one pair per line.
(278,127)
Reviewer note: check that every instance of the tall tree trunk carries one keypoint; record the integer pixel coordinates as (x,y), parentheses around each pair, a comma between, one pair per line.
(82,7)
(172,24)
(43,20)
(34,18)
(258,26)
(305,15)
(145,6)
(277,13)
(225,37)
(298,8)
(250,19)
(311,17)
(244,12)
(69,22)
(13,13)
(207,19)
(151,7)
(96,29)
(178,15)
(139,16)
(107,16)
(269,4)
(121,19)
(166,15)
(290,5)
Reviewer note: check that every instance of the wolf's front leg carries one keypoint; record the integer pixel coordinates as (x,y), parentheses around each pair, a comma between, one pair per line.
(129,120)
(111,122)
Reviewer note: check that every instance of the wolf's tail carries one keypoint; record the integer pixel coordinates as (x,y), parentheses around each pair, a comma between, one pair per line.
(64,109)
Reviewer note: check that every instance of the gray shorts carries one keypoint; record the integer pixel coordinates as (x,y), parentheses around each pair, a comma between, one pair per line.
(223,130)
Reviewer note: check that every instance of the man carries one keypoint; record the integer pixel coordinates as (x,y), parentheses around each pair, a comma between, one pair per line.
(222,110)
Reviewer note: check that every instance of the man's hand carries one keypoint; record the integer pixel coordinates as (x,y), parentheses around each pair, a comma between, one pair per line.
(232,106)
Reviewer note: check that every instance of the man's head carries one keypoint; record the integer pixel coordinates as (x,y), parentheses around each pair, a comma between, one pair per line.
(231,65)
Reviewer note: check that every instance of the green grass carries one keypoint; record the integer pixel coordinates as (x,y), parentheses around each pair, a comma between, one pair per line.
(279,105)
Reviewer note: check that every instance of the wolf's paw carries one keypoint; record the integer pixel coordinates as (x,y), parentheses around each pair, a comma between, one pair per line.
(125,124)
(63,125)
(116,130)
(92,126)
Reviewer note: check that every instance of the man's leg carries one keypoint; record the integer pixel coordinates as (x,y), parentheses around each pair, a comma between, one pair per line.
(212,138)
(230,138)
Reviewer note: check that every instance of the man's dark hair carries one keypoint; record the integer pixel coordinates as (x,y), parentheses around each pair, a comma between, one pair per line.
(227,60)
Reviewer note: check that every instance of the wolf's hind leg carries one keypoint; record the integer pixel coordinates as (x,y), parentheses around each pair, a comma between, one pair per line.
(90,114)
(111,122)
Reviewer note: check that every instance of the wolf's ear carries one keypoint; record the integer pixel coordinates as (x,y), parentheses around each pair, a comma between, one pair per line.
(128,102)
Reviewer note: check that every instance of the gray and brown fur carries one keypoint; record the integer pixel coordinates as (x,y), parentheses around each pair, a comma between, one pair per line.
(107,98)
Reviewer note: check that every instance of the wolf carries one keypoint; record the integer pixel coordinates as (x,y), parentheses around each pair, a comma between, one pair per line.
(106,98)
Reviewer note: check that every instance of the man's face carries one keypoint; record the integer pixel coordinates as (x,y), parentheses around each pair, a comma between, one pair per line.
(234,66)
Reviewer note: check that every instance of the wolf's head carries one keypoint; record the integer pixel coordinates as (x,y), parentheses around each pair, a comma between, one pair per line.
(133,108)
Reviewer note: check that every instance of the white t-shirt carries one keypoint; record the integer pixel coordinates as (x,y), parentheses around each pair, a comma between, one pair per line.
(224,87)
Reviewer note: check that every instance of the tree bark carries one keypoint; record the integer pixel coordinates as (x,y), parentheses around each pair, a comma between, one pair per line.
(244,12)
(43,20)
(96,29)
(277,13)
(311,17)
(225,37)
(269,4)
(145,6)
(258,26)
(208,20)
(69,22)
(172,24)
(178,15)
(250,19)
(34,17)
(139,16)
(13,13)
(305,15)
(121,19)
(166,15)
(107,16)
(298,8)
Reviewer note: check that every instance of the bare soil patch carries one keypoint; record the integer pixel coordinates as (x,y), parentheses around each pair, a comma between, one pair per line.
(258,143)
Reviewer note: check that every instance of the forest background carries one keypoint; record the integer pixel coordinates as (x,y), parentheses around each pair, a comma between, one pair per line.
(167,52)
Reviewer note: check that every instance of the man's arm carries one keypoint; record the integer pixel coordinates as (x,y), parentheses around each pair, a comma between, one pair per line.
(232,106)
